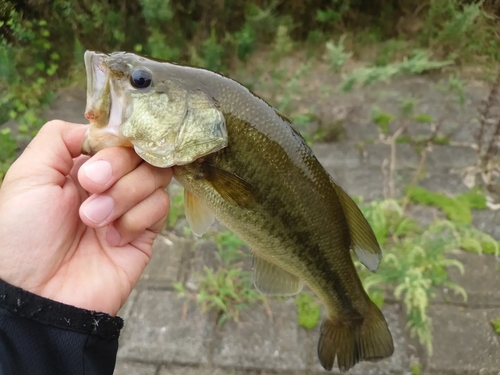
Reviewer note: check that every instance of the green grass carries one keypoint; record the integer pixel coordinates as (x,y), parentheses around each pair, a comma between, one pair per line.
(8,147)
(176,208)
(416,259)
(495,323)
(457,209)
(227,289)
(416,369)
(308,310)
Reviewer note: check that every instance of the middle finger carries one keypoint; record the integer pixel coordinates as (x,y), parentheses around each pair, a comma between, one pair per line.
(101,209)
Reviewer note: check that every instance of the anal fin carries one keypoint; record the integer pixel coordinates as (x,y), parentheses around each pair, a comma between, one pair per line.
(198,216)
(270,279)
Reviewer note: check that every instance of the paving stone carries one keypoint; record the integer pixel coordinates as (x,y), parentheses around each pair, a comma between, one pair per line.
(487,221)
(188,370)
(396,364)
(481,279)
(365,182)
(464,341)
(204,256)
(164,266)
(158,330)
(259,341)
(425,215)
(446,158)
(134,368)
(124,312)
(444,183)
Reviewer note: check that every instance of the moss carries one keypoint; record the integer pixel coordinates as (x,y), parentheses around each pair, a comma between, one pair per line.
(455,210)
(495,323)
(416,369)
(439,140)
(486,247)
(309,311)
(474,198)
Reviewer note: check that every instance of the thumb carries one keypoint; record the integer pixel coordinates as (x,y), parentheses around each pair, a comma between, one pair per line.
(48,158)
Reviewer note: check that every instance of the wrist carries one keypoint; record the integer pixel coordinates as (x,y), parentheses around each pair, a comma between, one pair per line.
(25,304)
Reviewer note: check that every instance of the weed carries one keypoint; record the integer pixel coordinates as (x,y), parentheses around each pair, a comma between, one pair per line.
(416,369)
(8,147)
(414,262)
(335,55)
(308,310)
(228,289)
(176,209)
(283,43)
(495,323)
(457,209)
(461,31)
(418,62)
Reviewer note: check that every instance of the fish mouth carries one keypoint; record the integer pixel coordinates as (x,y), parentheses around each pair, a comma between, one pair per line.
(105,104)
(97,82)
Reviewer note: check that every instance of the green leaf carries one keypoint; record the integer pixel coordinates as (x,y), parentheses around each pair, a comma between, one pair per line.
(383,120)
(308,309)
(424,118)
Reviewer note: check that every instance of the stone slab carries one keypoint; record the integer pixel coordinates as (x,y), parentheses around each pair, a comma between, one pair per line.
(204,255)
(481,279)
(162,328)
(464,341)
(446,158)
(124,312)
(163,269)
(259,341)
(487,221)
(396,364)
(134,368)
(189,370)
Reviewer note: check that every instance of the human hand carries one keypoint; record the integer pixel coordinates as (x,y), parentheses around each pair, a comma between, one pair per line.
(75,229)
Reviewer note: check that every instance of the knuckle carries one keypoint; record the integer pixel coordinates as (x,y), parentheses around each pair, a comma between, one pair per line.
(161,202)
(53,126)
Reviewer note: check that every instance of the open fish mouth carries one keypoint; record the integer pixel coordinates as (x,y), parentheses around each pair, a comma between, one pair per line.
(105,105)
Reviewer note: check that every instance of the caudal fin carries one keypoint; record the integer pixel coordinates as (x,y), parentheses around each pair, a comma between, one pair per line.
(354,341)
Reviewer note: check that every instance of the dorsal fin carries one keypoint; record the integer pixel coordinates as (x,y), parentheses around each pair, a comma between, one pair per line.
(363,240)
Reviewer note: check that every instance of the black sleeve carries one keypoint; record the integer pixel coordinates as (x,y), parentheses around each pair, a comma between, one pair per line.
(39,336)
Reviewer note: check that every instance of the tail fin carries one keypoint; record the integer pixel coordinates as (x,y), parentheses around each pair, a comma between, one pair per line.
(354,341)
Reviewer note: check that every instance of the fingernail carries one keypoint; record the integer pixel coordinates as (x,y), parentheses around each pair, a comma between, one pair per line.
(113,237)
(99,209)
(98,172)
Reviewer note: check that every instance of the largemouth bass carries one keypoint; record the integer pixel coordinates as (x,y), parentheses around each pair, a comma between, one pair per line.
(240,160)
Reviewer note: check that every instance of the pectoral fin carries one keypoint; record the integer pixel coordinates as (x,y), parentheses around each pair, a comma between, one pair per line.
(198,216)
(363,240)
(231,187)
(270,279)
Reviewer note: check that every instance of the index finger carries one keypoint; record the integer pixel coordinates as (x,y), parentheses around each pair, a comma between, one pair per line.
(49,156)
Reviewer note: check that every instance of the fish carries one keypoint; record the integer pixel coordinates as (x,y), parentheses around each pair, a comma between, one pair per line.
(242,161)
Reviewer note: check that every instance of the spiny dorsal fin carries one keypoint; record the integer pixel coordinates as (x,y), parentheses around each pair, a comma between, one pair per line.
(363,240)
(270,279)
(230,186)
(198,216)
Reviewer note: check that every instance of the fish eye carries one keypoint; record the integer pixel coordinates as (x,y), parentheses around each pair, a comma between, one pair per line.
(140,78)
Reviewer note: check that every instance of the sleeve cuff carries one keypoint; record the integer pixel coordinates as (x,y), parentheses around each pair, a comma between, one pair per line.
(45,311)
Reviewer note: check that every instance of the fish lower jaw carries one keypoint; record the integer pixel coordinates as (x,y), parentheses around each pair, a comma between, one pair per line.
(97,140)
